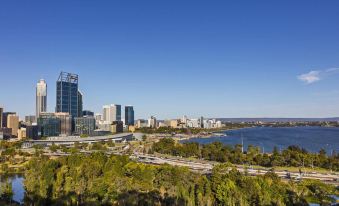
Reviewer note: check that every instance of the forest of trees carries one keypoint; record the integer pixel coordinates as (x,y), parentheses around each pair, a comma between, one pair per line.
(292,156)
(98,179)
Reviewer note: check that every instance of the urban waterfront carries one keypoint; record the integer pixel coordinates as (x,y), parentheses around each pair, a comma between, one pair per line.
(310,138)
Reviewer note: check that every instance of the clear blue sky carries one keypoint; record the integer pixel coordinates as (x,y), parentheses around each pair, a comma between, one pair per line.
(170,58)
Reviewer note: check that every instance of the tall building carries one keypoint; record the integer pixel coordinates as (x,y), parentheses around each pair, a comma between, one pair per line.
(13,123)
(152,122)
(112,113)
(4,118)
(201,122)
(129,115)
(1,111)
(49,124)
(80,103)
(41,97)
(65,123)
(67,94)
(84,125)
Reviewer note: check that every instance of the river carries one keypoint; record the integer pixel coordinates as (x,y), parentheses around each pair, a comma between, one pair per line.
(310,138)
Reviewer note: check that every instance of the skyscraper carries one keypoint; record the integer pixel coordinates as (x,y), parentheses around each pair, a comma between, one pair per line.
(129,115)
(41,97)
(80,104)
(13,123)
(67,94)
(112,113)
(1,111)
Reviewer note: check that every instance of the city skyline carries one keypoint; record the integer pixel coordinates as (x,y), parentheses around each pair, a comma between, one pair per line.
(170,60)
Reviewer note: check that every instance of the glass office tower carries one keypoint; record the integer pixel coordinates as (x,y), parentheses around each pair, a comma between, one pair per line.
(129,115)
(67,94)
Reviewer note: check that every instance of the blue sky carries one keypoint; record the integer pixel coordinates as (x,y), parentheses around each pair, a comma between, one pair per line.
(170,58)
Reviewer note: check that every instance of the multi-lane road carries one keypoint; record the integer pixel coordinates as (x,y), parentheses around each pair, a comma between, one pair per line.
(206,167)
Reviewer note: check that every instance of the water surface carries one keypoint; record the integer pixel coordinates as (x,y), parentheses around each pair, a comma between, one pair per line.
(310,138)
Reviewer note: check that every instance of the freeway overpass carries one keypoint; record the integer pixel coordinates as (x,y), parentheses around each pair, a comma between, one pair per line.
(70,140)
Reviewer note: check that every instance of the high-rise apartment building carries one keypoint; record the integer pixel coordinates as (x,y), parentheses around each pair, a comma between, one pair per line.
(13,123)
(41,97)
(112,113)
(67,94)
(129,115)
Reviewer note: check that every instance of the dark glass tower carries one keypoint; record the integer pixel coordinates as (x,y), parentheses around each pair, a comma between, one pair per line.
(67,94)
(129,115)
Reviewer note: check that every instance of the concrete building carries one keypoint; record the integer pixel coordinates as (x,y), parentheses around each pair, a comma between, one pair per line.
(112,113)
(129,115)
(67,94)
(104,126)
(174,123)
(41,97)
(65,123)
(13,123)
(141,123)
(4,118)
(152,122)
(22,133)
(30,119)
(84,125)
(117,127)
(49,124)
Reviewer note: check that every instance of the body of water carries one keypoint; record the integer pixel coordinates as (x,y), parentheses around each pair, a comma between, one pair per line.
(17,186)
(310,138)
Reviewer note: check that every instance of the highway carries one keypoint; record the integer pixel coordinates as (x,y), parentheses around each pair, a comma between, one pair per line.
(206,168)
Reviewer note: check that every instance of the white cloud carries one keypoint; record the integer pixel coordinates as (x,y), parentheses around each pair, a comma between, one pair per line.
(332,70)
(310,77)
(314,76)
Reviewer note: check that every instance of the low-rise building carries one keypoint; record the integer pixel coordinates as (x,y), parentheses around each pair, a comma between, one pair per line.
(22,133)
(84,125)
(32,131)
(49,124)
(117,127)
